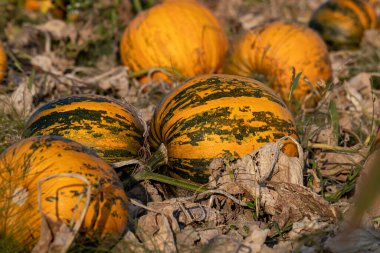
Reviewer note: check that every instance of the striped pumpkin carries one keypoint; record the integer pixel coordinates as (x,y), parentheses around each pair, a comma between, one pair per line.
(275,50)
(214,115)
(111,128)
(342,23)
(182,36)
(3,61)
(24,164)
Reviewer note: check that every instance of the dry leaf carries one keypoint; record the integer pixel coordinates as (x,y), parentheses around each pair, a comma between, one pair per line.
(57,28)
(55,237)
(359,240)
(251,20)
(289,203)
(307,225)
(128,244)
(156,233)
(276,180)
(362,183)
(20,101)
(372,37)
(359,92)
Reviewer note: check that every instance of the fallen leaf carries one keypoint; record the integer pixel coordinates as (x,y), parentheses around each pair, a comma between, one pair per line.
(357,241)
(55,237)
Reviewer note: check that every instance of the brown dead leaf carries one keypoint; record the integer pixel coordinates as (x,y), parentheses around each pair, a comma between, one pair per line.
(254,243)
(362,182)
(57,28)
(308,225)
(256,240)
(266,163)
(359,93)
(372,37)
(56,237)
(289,203)
(251,20)
(276,180)
(128,244)
(19,37)
(339,165)
(357,241)
(156,233)
(20,102)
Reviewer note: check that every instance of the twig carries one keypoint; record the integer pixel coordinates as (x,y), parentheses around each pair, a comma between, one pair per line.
(136,203)
(220,192)
(333,148)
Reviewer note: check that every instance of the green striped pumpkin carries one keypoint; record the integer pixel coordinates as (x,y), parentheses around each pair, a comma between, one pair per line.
(342,23)
(111,128)
(216,115)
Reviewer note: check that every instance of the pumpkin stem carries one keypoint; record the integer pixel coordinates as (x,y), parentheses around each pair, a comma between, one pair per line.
(159,158)
(185,184)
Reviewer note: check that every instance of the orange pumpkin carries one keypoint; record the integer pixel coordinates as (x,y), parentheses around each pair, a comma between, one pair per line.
(3,61)
(57,8)
(342,23)
(275,49)
(24,164)
(181,36)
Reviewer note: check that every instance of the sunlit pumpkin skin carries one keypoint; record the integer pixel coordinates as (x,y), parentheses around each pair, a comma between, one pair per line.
(180,35)
(24,164)
(3,62)
(218,115)
(342,23)
(274,49)
(109,127)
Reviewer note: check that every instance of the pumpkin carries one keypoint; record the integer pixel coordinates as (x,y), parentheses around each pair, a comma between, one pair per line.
(342,23)
(111,128)
(181,36)
(3,61)
(218,115)
(278,51)
(25,164)
(56,8)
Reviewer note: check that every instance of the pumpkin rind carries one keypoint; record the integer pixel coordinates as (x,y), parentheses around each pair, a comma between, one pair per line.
(342,23)
(109,127)
(276,48)
(182,35)
(3,61)
(25,163)
(214,115)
